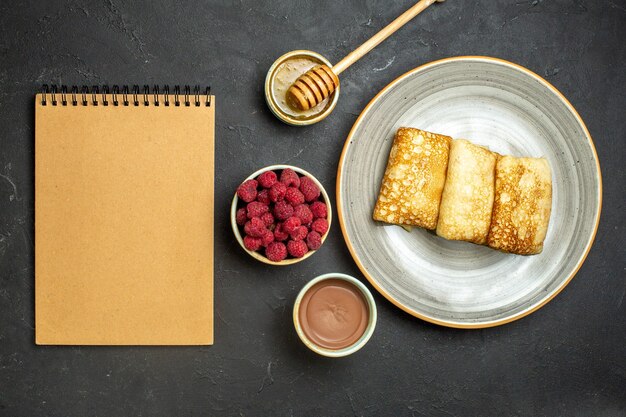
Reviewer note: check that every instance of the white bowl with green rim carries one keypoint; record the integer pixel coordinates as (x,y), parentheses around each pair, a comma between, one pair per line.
(369,329)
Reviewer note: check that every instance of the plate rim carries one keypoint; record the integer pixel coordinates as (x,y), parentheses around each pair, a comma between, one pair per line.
(340,211)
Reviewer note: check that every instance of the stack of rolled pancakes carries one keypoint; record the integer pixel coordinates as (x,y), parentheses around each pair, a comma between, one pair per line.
(466,192)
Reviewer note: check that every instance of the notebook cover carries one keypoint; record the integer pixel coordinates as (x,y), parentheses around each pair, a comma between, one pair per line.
(124,224)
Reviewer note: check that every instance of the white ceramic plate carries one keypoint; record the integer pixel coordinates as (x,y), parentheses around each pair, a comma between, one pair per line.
(512,111)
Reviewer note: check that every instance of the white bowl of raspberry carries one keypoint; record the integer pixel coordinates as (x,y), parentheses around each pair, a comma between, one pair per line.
(281,215)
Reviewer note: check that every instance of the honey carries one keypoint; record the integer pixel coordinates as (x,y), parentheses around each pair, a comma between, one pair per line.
(284,76)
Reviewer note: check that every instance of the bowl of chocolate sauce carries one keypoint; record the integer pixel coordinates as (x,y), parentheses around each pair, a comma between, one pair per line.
(334,315)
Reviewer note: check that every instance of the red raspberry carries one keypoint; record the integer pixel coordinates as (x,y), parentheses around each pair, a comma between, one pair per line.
(255,227)
(247,190)
(256,209)
(320,226)
(291,224)
(294,196)
(276,251)
(309,189)
(263,197)
(319,210)
(290,178)
(300,233)
(268,219)
(252,243)
(297,248)
(241,216)
(280,234)
(314,240)
(267,238)
(283,210)
(267,179)
(277,192)
(304,213)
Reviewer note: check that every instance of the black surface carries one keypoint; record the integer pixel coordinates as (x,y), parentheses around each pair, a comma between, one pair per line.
(569,358)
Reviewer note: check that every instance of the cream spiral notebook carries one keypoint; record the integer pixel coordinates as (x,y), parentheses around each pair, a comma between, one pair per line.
(124,216)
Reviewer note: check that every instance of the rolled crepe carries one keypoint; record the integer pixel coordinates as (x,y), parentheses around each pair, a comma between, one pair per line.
(467,200)
(522,204)
(411,189)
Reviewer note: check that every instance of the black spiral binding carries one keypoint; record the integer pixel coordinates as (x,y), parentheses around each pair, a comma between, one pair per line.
(96,95)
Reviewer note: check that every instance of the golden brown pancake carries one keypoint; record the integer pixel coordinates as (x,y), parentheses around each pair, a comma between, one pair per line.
(522,204)
(467,199)
(411,189)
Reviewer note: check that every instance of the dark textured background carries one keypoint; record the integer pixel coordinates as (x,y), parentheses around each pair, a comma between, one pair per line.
(569,358)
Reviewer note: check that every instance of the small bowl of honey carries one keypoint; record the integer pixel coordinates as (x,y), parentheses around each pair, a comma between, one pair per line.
(281,76)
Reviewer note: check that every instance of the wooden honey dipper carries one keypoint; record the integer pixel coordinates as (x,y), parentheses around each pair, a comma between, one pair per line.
(311,88)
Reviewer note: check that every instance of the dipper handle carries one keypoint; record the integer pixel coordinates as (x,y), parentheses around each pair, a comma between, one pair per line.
(311,88)
(383,34)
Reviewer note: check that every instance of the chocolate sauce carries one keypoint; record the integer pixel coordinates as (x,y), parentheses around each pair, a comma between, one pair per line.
(333,314)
